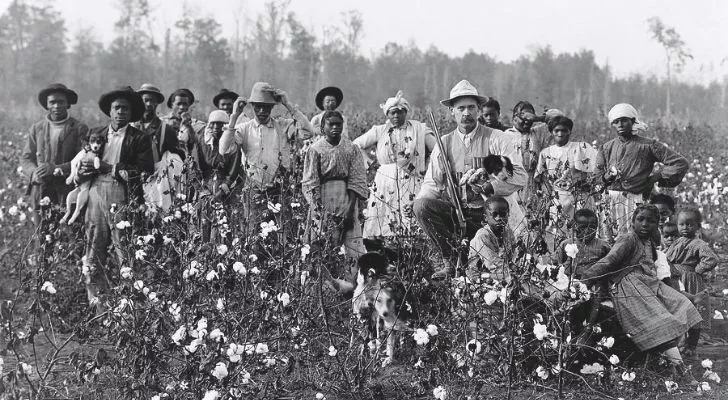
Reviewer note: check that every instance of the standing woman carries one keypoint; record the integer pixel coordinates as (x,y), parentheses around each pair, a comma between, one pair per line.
(334,180)
(401,149)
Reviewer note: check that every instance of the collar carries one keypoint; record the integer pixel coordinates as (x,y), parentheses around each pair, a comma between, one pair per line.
(269,124)
(625,140)
(68,117)
(471,134)
(120,132)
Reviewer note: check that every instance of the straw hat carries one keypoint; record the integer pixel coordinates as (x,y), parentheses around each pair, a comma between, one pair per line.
(463,89)
(148,88)
(262,92)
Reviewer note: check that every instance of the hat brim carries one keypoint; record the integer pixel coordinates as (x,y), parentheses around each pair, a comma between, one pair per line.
(187,93)
(43,96)
(226,95)
(448,102)
(160,96)
(134,98)
(329,91)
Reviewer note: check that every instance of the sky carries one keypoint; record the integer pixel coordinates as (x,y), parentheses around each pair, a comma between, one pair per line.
(616,30)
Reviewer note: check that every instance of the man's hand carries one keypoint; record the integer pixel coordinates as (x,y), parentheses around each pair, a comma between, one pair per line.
(238,107)
(186,119)
(43,172)
(282,97)
(650,184)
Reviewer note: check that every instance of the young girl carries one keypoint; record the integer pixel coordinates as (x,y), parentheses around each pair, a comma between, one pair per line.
(655,315)
(692,260)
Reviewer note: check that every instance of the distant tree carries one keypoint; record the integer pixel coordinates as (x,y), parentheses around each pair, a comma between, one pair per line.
(304,59)
(676,52)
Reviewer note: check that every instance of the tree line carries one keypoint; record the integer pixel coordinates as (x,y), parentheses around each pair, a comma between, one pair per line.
(36,48)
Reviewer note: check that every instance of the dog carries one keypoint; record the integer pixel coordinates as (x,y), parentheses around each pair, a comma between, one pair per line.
(92,150)
(379,302)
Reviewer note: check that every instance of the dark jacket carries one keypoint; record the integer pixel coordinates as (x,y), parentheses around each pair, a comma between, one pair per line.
(135,158)
(217,169)
(154,131)
(37,152)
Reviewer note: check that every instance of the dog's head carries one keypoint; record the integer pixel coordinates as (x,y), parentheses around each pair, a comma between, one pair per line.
(500,167)
(96,142)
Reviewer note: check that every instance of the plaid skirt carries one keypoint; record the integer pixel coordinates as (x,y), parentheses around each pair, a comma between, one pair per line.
(651,312)
(695,283)
(335,201)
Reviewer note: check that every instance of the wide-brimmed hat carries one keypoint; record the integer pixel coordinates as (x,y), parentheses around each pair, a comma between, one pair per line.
(224,94)
(463,89)
(148,88)
(123,92)
(56,88)
(262,92)
(329,91)
(181,92)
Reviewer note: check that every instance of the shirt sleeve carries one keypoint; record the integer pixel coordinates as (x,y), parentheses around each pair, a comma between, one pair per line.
(299,127)
(600,165)
(357,175)
(614,260)
(474,261)
(311,179)
(434,178)
(675,165)
(231,139)
(541,166)
(365,141)
(28,158)
(708,259)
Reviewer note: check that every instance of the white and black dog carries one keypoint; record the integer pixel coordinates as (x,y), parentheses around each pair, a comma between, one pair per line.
(92,150)
(382,304)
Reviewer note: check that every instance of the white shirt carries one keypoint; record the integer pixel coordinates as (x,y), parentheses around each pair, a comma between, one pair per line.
(112,150)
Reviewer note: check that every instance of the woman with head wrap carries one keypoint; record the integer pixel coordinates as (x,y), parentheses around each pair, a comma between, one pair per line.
(402,147)
(625,166)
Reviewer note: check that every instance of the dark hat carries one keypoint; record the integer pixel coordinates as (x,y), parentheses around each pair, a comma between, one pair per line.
(329,91)
(148,88)
(54,88)
(180,92)
(224,94)
(123,92)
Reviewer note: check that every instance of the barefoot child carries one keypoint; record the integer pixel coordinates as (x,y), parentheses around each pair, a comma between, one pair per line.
(692,260)
(655,315)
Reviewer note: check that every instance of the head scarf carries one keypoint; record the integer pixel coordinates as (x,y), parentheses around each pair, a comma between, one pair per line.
(397,101)
(218,116)
(625,110)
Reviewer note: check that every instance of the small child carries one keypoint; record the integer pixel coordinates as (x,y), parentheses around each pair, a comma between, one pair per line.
(692,260)
(669,235)
(665,205)
(488,246)
(591,248)
(655,315)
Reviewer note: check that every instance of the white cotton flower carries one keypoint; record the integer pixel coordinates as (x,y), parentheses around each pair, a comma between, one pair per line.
(284,299)
(167,240)
(704,387)
(432,330)
(671,386)
(474,347)
(707,363)
(269,362)
(179,335)
(274,208)
(342,250)
(263,295)
(27,368)
(254,271)
(613,359)
(421,337)
(211,395)
(22,217)
(149,239)
(240,268)
(607,342)
(711,376)
(176,311)
(211,275)
(245,377)
(320,396)
(252,258)
(542,372)
(220,305)
(717,314)
(222,249)
(13,211)
(169,218)
(628,376)
(48,287)
(333,351)
(121,225)
(145,290)
(217,335)
(140,254)
(490,297)
(261,348)
(571,250)
(192,347)
(440,393)
(178,214)
(139,285)
(295,205)
(126,273)
(419,364)
(591,369)
(235,352)
(45,201)
(152,297)
(305,250)
(540,330)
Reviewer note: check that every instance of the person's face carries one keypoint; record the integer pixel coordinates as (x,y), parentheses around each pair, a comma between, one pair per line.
(262,112)
(669,234)
(645,224)
(397,116)
(665,213)
(180,104)
(466,111)
(332,128)
(150,103)
(216,128)
(496,216)
(523,121)
(120,112)
(561,135)
(58,106)
(330,103)
(585,228)
(623,125)
(687,224)
(491,116)
(226,104)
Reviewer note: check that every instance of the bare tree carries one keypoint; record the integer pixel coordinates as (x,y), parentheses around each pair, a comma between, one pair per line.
(676,52)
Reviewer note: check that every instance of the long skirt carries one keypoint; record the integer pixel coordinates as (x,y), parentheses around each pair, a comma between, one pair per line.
(695,283)
(651,312)
(329,224)
(158,190)
(389,206)
(621,207)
